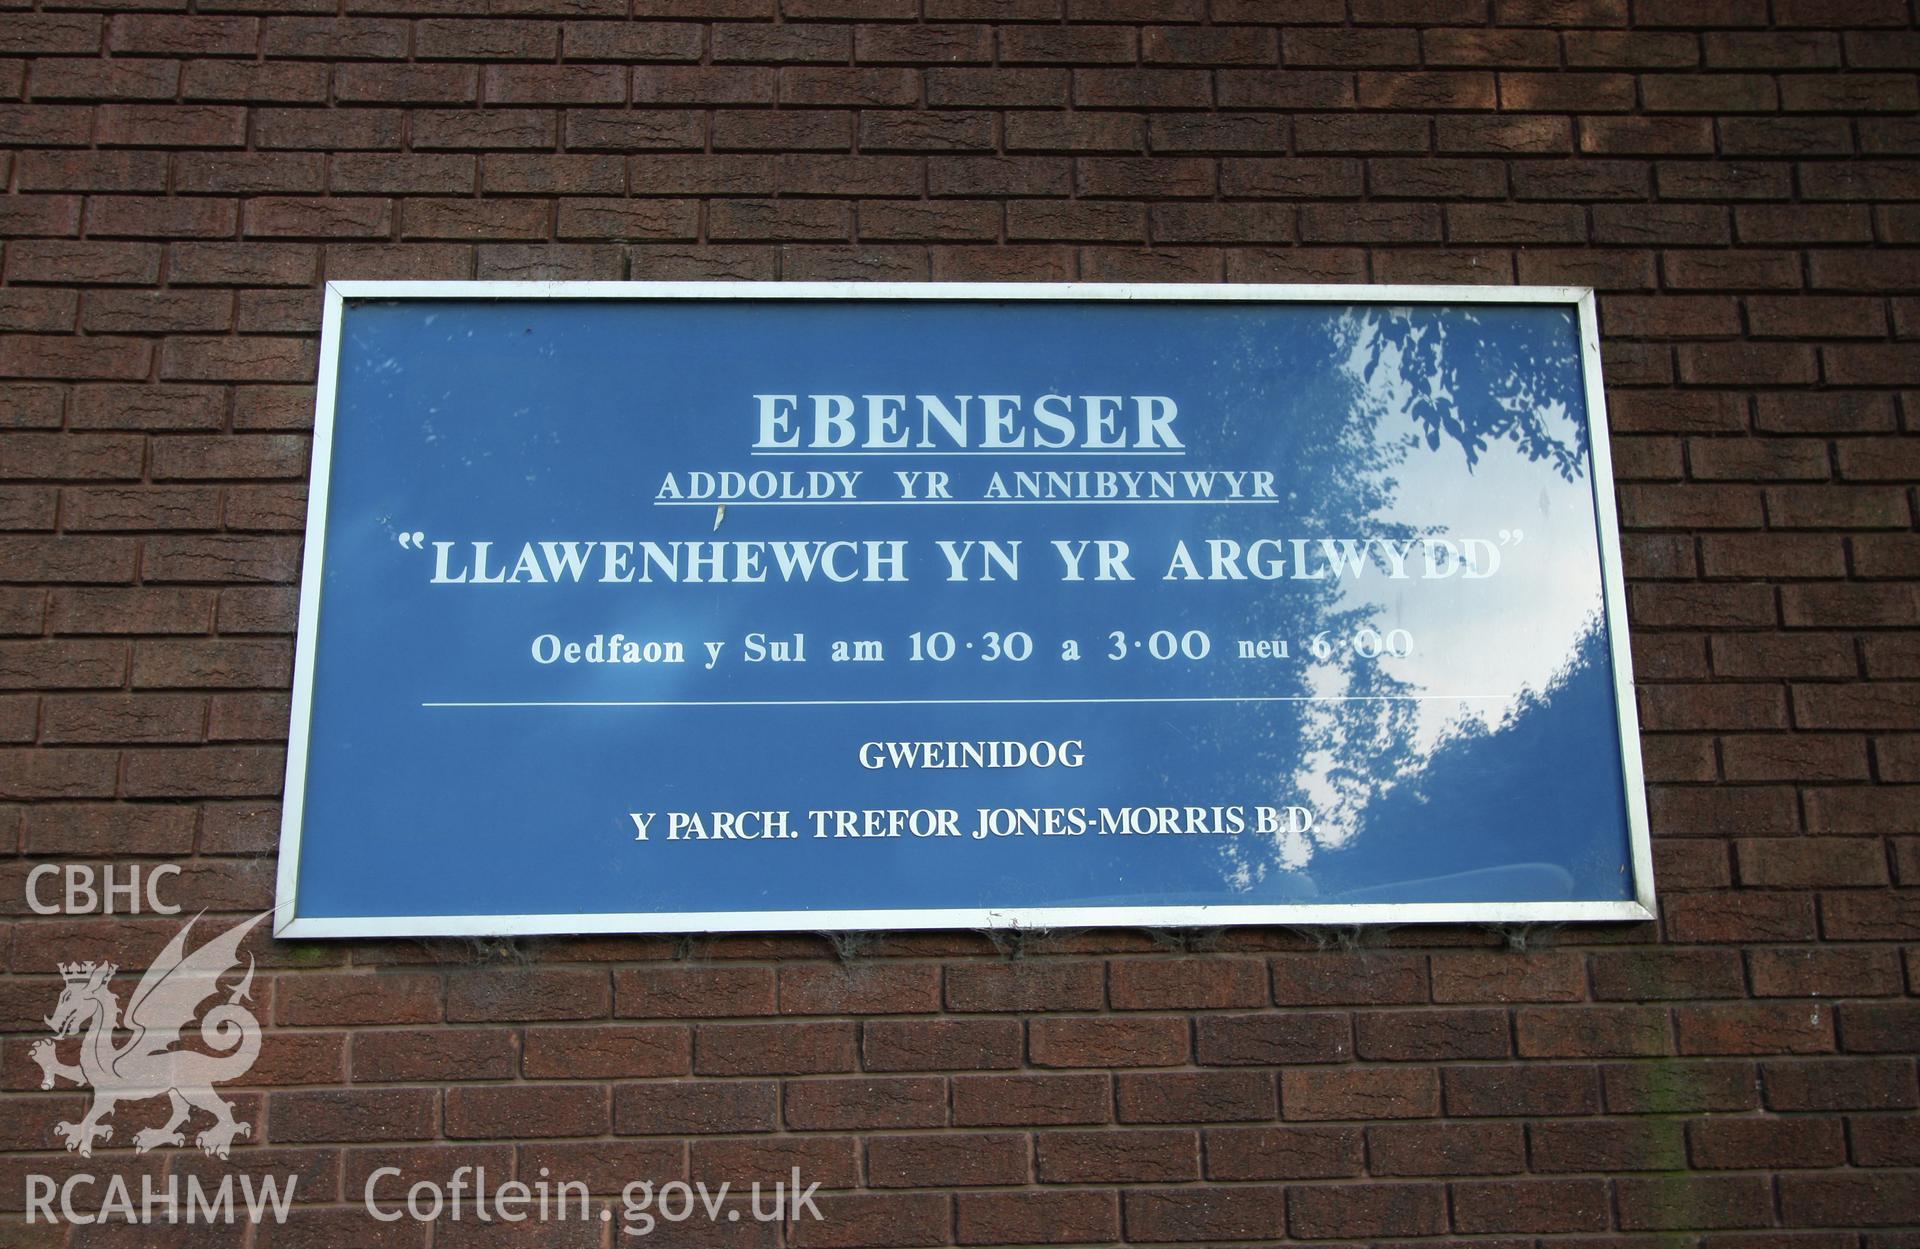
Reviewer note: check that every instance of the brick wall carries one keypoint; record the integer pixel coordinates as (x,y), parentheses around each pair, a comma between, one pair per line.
(1736,176)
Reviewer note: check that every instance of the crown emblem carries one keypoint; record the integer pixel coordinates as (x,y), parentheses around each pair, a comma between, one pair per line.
(80,973)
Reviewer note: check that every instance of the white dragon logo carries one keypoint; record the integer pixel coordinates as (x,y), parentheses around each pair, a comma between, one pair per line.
(151,1061)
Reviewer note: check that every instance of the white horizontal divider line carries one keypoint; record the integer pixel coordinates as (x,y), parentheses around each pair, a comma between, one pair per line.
(987,702)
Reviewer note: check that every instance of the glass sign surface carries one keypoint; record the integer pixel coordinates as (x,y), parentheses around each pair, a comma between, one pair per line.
(672,607)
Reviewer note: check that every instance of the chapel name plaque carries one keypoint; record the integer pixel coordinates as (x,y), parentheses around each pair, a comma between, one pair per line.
(741,606)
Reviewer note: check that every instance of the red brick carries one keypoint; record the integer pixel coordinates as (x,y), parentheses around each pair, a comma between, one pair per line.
(1490,47)
(1260,1153)
(1670,1087)
(548,262)
(1694,1202)
(1714,707)
(1850,1200)
(693,992)
(694,1107)
(648,41)
(221,558)
(1883,705)
(1359,1093)
(553,84)
(589,219)
(860,989)
(1116,1156)
(604,1166)
(1252,1213)
(151,34)
(324,130)
(1128,88)
(24,308)
(323,38)
(1446,1149)
(1828,1084)
(1811,862)
(961,1161)
(485,40)
(248,717)
(616,1051)
(1877,1027)
(1833,223)
(1427,90)
(1193,45)
(1760,1028)
(534,993)
(1358,979)
(1436,177)
(831,1161)
(443,129)
(941,1044)
(1886,1140)
(1284,89)
(773,1048)
(855,1220)
(1068,45)
(278,82)
(1592,1032)
(1534,1090)
(1742,1143)
(706,262)
(204,772)
(185,125)
(1504,135)
(1607,1145)
(1036,1217)
(44,33)
(458,1054)
(1025,986)
(1712,180)
(1272,1038)
(1072,132)
(1318,178)
(146,719)
(1730,918)
(1109,1042)
(41,773)
(789,43)
(407,84)
(1316,1211)
(1802,655)
(382,1115)
(1194,1097)
(1186,984)
(1432,1035)
(521,1111)
(1322,132)
(94,829)
(1530,1206)
(1467,977)
(131,611)
(237,360)
(848,1104)
(62,665)
(1030,1100)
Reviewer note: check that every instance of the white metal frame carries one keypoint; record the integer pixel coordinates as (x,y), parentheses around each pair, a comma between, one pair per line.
(289,924)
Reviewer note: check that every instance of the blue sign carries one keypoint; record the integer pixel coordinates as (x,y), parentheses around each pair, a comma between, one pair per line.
(706,607)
